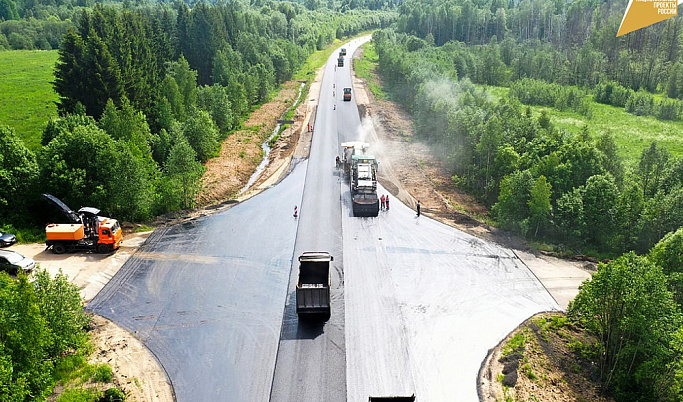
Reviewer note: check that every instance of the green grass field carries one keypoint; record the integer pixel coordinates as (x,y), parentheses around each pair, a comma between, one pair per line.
(26,94)
(632,133)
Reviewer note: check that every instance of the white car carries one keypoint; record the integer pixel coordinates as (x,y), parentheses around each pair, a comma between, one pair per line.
(11,262)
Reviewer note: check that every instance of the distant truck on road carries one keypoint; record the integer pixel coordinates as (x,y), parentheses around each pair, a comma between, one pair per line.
(313,287)
(347,94)
(342,52)
(340,61)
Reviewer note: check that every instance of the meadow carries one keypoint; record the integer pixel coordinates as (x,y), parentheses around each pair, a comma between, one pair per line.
(632,133)
(27,100)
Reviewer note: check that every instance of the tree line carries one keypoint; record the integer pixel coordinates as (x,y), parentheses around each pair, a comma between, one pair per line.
(146,96)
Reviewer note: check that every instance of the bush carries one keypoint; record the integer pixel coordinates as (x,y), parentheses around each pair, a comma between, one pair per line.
(611,93)
(102,373)
(640,104)
(668,109)
(113,395)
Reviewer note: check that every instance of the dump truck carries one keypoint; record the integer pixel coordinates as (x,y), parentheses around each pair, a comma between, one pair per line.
(340,62)
(85,231)
(347,94)
(348,149)
(313,287)
(363,185)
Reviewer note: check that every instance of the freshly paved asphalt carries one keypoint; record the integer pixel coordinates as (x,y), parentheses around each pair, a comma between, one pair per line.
(206,297)
(415,304)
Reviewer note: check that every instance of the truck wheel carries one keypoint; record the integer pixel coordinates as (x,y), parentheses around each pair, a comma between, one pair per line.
(104,248)
(58,248)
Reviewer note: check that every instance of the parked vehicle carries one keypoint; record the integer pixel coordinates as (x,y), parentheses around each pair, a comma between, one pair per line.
(11,262)
(7,239)
(313,288)
(87,230)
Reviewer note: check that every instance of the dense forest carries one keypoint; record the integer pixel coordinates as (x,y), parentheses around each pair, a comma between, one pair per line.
(572,190)
(147,93)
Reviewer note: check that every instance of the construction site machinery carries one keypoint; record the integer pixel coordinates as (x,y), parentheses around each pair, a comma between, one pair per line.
(313,288)
(85,231)
(348,149)
(347,94)
(340,62)
(363,185)
(342,52)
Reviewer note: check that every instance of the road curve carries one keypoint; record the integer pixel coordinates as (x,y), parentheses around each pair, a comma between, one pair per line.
(206,296)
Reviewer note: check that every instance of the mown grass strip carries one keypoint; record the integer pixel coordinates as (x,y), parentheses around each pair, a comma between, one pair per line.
(27,100)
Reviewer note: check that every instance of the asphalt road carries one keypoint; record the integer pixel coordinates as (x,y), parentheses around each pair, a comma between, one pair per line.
(311,360)
(206,297)
(415,304)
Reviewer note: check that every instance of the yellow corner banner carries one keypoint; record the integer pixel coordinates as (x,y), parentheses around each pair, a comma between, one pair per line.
(642,13)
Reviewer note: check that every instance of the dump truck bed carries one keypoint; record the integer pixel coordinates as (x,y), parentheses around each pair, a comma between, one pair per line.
(313,287)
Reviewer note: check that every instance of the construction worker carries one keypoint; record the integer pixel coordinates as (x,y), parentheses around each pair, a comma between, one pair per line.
(386,200)
(418,207)
(383,200)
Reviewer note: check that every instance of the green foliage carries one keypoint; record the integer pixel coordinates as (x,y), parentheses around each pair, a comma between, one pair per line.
(365,66)
(515,343)
(102,373)
(599,209)
(113,395)
(18,175)
(536,92)
(59,302)
(40,323)
(79,395)
(202,135)
(26,95)
(628,307)
(182,183)
(668,254)
(512,208)
(539,203)
(215,99)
